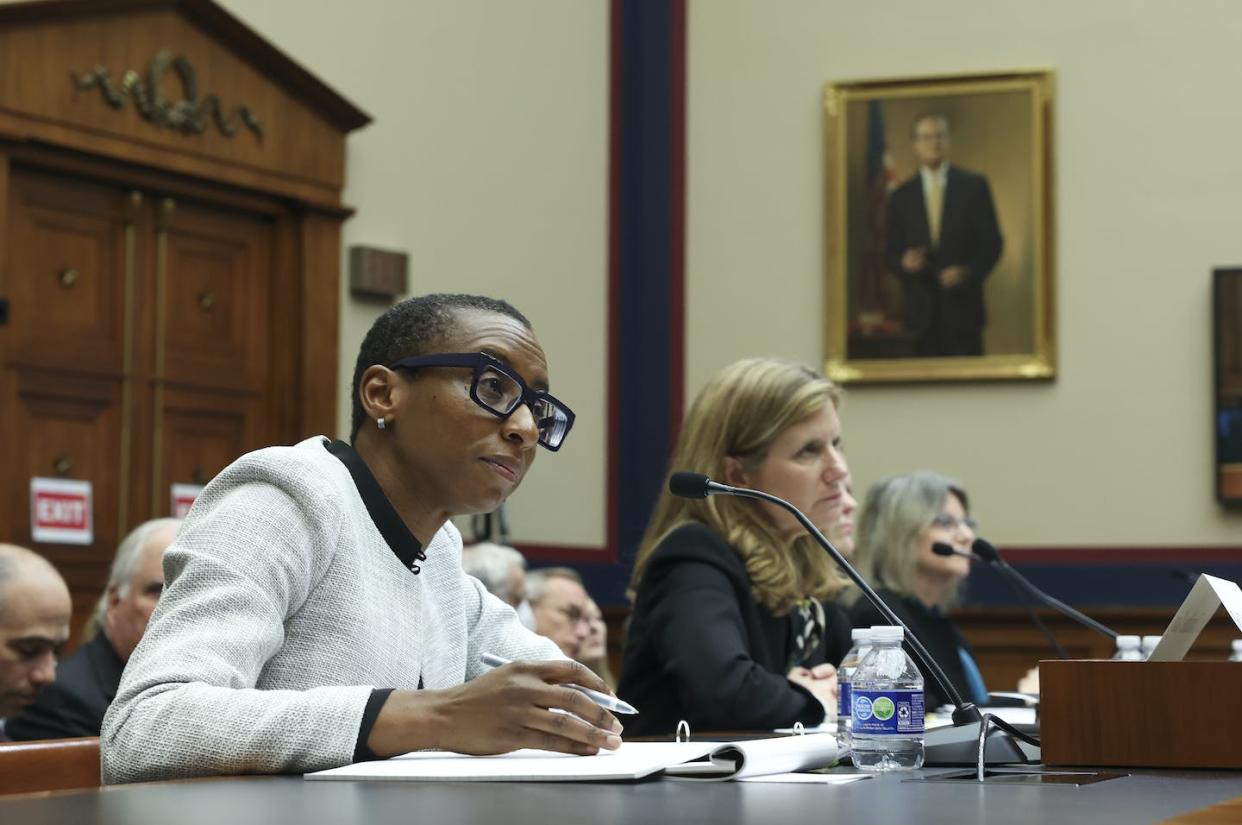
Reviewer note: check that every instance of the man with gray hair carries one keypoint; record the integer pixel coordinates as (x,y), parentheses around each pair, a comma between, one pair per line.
(34,625)
(74,705)
(502,570)
(560,604)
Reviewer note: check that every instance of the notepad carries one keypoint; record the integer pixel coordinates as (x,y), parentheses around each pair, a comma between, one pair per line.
(704,761)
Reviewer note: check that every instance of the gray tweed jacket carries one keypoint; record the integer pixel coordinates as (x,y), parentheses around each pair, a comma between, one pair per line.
(283,608)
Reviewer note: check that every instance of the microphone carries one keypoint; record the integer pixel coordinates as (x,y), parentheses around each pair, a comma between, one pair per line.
(697,485)
(942,549)
(988,553)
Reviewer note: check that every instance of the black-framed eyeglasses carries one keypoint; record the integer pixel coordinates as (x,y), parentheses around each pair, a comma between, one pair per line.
(498,389)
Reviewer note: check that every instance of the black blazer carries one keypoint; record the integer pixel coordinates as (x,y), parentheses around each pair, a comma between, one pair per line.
(73,705)
(700,648)
(969,237)
(935,630)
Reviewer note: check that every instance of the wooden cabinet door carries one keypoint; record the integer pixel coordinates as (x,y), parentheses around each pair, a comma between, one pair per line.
(205,396)
(213,286)
(201,434)
(59,426)
(65,268)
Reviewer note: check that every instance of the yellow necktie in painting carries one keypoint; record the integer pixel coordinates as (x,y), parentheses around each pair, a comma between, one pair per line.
(935,204)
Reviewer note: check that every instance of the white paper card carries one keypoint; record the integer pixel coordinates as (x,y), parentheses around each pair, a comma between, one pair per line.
(61,511)
(633,760)
(1208,594)
(808,778)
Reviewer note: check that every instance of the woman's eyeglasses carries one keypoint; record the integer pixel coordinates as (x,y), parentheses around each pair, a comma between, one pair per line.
(498,389)
(951,523)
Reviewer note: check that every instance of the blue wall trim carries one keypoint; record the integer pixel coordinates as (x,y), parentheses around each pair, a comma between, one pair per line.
(643,214)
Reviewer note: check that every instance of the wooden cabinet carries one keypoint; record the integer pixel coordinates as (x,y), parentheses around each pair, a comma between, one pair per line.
(170,273)
(64,273)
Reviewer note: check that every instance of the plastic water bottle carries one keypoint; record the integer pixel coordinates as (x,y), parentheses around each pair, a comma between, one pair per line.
(887,706)
(1236,655)
(1128,649)
(1149,644)
(861,637)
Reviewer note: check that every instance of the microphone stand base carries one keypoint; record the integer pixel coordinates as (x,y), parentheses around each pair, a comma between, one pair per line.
(958,746)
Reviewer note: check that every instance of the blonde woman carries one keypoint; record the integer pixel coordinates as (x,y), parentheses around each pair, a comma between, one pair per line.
(731,629)
(901,519)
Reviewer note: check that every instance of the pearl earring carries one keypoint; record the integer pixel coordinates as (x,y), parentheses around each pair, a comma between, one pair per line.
(381,423)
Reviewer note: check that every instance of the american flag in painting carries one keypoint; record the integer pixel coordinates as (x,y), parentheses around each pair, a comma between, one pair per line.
(878,305)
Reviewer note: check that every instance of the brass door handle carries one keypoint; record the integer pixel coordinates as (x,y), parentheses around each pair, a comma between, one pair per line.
(68,277)
(206,300)
(63,465)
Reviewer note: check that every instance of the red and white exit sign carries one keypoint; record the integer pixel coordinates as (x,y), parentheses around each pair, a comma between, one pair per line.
(181,498)
(61,511)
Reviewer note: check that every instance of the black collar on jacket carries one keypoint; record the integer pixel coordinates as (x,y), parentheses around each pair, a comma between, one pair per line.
(398,537)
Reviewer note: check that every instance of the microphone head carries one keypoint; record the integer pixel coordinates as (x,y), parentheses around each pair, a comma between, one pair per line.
(984,550)
(942,549)
(688,485)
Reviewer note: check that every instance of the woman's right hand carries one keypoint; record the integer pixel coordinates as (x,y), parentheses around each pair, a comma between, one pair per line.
(821,681)
(519,705)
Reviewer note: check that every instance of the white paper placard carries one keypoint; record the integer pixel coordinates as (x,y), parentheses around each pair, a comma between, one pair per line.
(61,511)
(1208,594)
(181,496)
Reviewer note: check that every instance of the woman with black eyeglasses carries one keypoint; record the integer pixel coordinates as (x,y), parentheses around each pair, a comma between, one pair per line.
(316,612)
(902,519)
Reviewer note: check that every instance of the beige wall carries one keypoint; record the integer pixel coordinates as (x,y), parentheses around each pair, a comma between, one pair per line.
(487,162)
(1118,450)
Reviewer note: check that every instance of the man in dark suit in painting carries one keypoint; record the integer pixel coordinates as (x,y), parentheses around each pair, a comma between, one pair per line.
(942,241)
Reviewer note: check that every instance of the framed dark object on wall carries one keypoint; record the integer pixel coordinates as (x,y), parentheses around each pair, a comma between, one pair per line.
(1227,409)
(938,231)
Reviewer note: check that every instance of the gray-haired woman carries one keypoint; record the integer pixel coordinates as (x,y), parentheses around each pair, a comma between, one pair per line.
(902,519)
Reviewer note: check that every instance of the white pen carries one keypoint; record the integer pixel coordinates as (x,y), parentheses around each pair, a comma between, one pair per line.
(612,703)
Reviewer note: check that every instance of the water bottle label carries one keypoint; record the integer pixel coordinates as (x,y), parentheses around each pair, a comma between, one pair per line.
(843,702)
(895,712)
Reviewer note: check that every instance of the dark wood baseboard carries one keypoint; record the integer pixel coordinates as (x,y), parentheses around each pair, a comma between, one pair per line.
(1007,645)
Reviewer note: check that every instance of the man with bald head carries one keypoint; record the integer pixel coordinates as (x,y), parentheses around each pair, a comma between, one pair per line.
(87,680)
(34,625)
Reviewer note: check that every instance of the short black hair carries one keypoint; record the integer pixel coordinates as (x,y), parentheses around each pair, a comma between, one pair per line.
(415,326)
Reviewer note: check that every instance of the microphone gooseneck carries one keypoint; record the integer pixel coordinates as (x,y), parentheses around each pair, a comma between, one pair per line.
(986,551)
(697,485)
(982,550)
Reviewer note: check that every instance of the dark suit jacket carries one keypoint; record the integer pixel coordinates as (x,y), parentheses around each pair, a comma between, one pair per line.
(73,705)
(700,648)
(934,629)
(944,321)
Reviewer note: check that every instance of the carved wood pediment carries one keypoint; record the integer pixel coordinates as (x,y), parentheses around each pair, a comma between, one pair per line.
(171,83)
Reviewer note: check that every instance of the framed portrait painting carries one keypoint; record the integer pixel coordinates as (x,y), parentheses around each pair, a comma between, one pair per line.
(938,233)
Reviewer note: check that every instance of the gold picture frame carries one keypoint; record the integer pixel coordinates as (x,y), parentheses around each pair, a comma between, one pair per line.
(970,295)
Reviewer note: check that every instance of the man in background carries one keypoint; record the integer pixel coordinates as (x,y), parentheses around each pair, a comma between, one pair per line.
(34,625)
(502,570)
(560,603)
(942,242)
(86,683)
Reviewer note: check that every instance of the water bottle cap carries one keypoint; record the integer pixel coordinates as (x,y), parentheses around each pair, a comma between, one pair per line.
(1127,641)
(863,634)
(887,633)
(1151,641)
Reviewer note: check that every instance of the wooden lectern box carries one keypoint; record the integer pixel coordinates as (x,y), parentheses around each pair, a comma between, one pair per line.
(1106,713)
